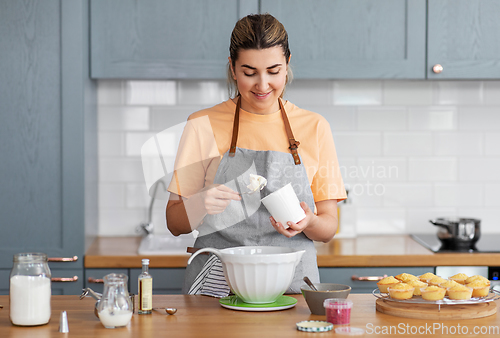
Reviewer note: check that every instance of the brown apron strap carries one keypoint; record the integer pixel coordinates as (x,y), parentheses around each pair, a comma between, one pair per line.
(193,250)
(236,124)
(294,144)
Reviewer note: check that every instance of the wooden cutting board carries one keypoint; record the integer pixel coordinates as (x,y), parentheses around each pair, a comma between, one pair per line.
(432,311)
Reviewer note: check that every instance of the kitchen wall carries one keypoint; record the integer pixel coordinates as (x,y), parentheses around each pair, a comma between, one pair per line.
(409,150)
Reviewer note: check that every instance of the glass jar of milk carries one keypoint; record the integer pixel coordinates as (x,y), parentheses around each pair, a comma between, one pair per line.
(30,290)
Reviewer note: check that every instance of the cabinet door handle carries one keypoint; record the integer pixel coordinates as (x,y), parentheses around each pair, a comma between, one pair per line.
(95,280)
(437,68)
(63,259)
(64,279)
(368,278)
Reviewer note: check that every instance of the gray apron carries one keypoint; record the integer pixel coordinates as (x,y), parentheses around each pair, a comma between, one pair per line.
(246,222)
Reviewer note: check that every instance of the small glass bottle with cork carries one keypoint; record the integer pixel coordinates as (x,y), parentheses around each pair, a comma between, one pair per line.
(145,290)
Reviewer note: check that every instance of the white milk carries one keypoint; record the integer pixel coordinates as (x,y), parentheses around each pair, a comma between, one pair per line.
(117,319)
(29,300)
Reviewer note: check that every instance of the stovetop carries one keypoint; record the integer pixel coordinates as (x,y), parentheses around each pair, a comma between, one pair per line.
(486,243)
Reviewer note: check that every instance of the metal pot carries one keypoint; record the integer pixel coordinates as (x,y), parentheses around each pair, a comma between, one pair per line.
(461,233)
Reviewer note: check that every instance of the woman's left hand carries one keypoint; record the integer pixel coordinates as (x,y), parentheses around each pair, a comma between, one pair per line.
(295,228)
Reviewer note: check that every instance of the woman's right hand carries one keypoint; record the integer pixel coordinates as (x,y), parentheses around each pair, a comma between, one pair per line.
(217,198)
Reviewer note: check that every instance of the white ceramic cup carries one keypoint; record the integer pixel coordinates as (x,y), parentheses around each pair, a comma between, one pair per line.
(284,205)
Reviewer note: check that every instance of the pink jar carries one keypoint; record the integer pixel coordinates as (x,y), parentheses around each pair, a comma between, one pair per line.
(338,311)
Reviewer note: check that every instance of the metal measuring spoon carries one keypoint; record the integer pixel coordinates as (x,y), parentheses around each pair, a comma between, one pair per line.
(308,282)
(169,310)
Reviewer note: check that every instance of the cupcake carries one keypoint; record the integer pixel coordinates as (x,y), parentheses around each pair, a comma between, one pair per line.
(459,292)
(459,278)
(383,284)
(448,284)
(426,277)
(405,277)
(401,291)
(417,284)
(436,281)
(433,293)
(475,277)
(479,288)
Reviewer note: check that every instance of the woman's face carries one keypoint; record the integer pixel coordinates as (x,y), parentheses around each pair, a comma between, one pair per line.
(260,75)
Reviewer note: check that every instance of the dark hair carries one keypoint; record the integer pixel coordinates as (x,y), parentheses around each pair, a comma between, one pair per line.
(256,31)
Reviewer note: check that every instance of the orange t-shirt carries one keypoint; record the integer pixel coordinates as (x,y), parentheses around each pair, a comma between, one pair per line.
(207,137)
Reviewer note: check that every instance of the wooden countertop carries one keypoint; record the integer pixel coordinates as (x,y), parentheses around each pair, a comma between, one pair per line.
(201,316)
(362,251)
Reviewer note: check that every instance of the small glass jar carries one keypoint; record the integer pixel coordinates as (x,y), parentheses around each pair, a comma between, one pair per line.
(30,289)
(115,308)
(338,311)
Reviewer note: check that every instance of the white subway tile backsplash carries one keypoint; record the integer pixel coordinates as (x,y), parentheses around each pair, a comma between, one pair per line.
(458,144)
(407,195)
(382,118)
(111,195)
(491,92)
(111,143)
(407,144)
(459,92)
(408,151)
(432,118)
(206,93)
(120,221)
(151,92)
(111,92)
(489,218)
(305,93)
(357,93)
(167,117)
(125,170)
(408,93)
(418,219)
(137,196)
(492,144)
(339,118)
(122,118)
(382,169)
(134,142)
(458,195)
(357,144)
(432,169)
(479,169)
(361,197)
(491,197)
(381,221)
(479,118)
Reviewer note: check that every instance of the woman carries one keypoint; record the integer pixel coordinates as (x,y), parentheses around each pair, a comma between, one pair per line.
(254,133)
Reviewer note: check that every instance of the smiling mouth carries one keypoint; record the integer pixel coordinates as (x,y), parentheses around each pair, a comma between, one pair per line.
(261,95)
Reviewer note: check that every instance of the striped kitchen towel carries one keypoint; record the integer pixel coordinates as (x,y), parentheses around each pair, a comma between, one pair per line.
(210,281)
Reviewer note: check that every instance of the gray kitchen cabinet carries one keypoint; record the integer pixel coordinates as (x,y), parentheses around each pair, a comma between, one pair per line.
(463,38)
(48,139)
(345,276)
(165,280)
(159,39)
(342,39)
(347,39)
(4,281)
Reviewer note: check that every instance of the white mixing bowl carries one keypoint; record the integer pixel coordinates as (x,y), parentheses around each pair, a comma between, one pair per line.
(257,274)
